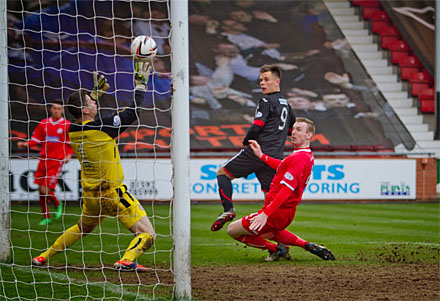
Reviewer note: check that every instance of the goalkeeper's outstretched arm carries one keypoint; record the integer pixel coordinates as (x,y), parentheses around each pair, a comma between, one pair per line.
(141,76)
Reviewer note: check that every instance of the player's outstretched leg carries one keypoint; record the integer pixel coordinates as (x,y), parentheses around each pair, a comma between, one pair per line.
(59,211)
(223,218)
(225,191)
(38,261)
(44,209)
(65,240)
(281,252)
(136,248)
(57,203)
(319,251)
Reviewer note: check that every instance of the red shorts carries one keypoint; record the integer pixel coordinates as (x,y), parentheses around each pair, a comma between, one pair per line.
(278,221)
(47,172)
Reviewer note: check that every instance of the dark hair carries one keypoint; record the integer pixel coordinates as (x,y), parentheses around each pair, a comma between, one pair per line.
(75,102)
(272,68)
(56,102)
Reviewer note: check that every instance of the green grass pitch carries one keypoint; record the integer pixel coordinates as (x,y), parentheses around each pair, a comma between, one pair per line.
(358,234)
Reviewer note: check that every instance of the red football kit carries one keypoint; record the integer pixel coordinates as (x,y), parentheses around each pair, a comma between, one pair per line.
(55,146)
(286,190)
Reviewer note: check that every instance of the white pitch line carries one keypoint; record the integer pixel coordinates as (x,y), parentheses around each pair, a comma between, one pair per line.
(107,286)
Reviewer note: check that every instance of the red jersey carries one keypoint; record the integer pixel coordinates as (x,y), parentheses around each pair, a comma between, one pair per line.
(293,172)
(53,138)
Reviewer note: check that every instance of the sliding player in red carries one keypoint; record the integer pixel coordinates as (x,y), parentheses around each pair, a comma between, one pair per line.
(51,135)
(272,122)
(285,194)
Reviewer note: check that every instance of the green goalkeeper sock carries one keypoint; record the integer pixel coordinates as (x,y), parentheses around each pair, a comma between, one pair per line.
(138,246)
(65,240)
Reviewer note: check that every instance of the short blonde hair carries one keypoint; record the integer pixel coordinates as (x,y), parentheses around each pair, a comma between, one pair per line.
(310,124)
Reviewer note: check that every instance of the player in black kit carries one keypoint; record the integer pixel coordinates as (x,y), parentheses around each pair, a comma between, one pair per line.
(272,123)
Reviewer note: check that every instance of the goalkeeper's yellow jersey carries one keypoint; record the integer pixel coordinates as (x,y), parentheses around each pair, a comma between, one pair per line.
(98,154)
(95,147)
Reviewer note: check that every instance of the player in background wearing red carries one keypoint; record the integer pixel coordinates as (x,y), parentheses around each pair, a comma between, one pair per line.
(272,123)
(285,194)
(51,135)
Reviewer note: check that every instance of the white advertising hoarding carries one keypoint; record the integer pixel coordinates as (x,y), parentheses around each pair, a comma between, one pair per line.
(332,179)
(148,179)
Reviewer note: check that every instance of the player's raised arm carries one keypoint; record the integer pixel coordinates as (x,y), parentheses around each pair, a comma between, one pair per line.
(100,85)
(260,119)
(272,162)
(256,148)
(142,73)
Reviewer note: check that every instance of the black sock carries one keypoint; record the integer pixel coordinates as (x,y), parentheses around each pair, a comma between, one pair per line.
(225,191)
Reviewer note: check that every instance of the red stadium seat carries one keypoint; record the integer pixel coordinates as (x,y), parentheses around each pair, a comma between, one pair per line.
(427,94)
(398,49)
(356,2)
(426,100)
(424,76)
(370,3)
(367,12)
(419,81)
(388,34)
(378,20)
(408,66)
(427,107)
(409,61)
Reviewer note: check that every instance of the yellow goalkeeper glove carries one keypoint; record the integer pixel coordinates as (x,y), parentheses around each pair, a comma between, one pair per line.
(142,73)
(100,85)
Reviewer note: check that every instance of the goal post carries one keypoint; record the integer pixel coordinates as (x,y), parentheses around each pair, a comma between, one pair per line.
(180,148)
(4,139)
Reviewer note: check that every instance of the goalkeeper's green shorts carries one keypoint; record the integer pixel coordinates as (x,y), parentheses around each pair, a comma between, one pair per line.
(115,202)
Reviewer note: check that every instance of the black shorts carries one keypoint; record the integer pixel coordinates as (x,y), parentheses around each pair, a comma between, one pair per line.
(244,163)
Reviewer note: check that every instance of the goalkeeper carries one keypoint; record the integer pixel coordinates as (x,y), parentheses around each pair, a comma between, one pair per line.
(93,141)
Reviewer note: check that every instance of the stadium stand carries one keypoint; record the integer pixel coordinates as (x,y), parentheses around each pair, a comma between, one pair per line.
(323,77)
(405,49)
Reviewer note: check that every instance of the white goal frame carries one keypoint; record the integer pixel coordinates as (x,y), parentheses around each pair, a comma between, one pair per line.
(180,148)
(4,138)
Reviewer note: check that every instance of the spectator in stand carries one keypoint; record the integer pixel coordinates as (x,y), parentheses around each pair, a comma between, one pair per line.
(51,135)
(237,34)
(217,85)
(260,24)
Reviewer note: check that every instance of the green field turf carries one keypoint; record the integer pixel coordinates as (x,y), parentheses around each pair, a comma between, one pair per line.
(357,234)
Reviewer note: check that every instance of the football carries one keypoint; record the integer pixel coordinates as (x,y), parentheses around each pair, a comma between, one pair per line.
(143,48)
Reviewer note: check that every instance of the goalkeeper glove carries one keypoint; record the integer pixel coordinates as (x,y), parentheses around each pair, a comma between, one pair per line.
(100,85)
(142,73)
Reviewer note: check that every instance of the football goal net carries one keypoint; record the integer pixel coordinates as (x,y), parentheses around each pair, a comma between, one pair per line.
(51,49)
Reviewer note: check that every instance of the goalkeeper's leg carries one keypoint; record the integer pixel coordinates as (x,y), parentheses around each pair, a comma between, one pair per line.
(145,237)
(68,238)
(134,217)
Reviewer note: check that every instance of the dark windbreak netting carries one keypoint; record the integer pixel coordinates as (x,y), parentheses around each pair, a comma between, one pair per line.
(53,51)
